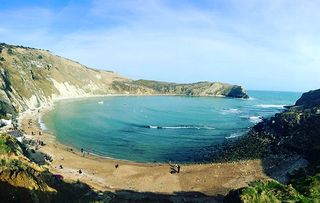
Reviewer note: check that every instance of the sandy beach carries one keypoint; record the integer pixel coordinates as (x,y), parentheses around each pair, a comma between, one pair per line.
(101,173)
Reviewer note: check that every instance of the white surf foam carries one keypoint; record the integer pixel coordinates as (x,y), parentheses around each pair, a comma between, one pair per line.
(181,127)
(231,111)
(234,135)
(275,106)
(42,125)
(255,119)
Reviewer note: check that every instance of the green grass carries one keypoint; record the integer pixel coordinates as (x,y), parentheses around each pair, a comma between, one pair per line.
(7,144)
(4,148)
(12,165)
(307,182)
(272,191)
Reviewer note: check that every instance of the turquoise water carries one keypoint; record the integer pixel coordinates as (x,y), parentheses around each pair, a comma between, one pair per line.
(159,128)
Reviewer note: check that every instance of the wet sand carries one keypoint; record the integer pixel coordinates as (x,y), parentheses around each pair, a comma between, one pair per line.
(101,173)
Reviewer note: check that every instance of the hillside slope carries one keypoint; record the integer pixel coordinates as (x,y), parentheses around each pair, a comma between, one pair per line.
(286,142)
(32,77)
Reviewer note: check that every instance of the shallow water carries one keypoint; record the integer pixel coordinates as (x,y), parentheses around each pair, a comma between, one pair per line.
(159,128)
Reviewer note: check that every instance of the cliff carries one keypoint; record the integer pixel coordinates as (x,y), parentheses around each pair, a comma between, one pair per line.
(22,180)
(33,77)
(289,145)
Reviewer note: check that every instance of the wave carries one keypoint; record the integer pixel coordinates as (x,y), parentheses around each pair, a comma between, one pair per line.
(42,125)
(255,119)
(234,135)
(180,127)
(275,106)
(231,111)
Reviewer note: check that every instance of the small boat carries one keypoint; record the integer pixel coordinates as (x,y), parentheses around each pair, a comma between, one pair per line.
(100,102)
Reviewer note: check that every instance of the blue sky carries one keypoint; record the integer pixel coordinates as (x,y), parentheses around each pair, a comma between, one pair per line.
(265,44)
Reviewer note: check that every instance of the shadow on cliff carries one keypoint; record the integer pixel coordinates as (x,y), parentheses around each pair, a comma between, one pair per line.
(80,192)
(183,196)
(10,193)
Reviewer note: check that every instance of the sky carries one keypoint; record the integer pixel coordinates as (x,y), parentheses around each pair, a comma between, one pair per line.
(260,44)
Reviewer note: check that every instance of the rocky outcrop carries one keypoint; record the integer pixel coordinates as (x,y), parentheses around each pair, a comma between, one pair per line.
(286,142)
(195,89)
(309,99)
(30,78)
(22,180)
(296,130)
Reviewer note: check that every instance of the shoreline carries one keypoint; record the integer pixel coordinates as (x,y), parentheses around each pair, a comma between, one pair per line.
(100,172)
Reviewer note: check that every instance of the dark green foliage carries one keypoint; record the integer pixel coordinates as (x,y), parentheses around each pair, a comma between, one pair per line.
(15,165)
(2,58)
(161,87)
(4,45)
(305,189)
(40,57)
(7,144)
(6,78)
(271,191)
(6,108)
(307,181)
(10,51)
(32,75)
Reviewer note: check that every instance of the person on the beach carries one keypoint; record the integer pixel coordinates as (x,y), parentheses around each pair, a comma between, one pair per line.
(178,169)
(172,168)
(80,171)
(116,166)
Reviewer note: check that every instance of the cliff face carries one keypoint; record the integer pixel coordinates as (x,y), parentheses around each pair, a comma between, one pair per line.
(32,77)
(285,142)
(296,130)
(195,89)
(22,180)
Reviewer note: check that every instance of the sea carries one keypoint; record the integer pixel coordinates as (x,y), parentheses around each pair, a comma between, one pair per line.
(159,129)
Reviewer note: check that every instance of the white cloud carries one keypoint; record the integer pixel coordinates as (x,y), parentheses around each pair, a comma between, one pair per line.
(260,44)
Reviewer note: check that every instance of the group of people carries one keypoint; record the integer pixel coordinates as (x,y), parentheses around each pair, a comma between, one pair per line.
(175,168)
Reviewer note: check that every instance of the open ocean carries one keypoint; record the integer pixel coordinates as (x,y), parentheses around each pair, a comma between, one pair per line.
(159,128)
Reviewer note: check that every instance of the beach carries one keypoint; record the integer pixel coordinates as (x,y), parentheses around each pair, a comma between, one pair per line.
(102,174)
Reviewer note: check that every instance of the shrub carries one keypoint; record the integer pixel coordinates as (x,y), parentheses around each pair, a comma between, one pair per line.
(272,191)
(10,51)
(5,109)
(7,144)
